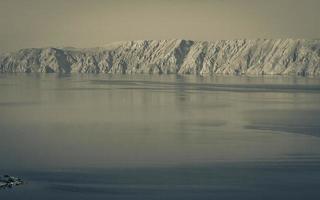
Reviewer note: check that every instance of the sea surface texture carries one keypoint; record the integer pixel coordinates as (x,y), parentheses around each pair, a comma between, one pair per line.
(156,137)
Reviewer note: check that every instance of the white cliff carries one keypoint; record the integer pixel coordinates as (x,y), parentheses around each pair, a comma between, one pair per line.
(251,57)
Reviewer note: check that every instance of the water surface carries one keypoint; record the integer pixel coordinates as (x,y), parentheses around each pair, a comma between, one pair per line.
(160,137)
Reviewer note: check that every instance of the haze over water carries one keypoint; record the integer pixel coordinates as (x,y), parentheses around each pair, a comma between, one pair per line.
(160,137)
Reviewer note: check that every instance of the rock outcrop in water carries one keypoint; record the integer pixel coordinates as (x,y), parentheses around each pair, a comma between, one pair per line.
(251,57)
(9,181)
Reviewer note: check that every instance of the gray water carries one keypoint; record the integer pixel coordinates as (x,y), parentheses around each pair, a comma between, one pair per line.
(160,137)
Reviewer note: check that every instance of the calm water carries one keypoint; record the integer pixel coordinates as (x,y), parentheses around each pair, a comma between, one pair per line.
(160,137)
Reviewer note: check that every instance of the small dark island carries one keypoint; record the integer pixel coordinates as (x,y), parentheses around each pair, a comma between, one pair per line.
(7,181)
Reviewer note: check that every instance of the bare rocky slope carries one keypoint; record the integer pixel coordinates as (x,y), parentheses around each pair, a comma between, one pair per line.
(250,57)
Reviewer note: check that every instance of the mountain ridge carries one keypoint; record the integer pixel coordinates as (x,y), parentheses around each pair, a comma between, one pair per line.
(175,56)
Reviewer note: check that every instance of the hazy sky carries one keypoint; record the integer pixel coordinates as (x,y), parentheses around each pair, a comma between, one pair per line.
(88,23)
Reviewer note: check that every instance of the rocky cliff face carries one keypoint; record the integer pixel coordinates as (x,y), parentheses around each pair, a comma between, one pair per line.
(251,57)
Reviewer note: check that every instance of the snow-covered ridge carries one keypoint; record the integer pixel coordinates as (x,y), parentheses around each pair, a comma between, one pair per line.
(254,57)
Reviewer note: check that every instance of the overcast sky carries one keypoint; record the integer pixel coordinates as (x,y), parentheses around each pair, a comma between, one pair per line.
(90,23)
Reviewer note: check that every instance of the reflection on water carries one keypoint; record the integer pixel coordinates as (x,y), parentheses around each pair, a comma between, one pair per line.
(160,137)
